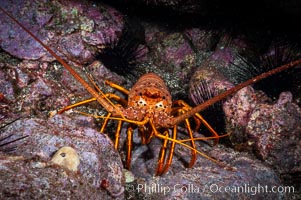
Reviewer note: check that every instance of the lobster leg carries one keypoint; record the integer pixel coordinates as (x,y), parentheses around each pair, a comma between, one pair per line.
(117,87)
(171,151)
(117,134)
(199,119)
(147,136)
(162,155)
(105,123)
(141,131)
(107,118)
(120,100)
(112,85)
(214,133)
(193,152)
(118,130)
(76,105)
(181,142)
(129,143)
(180,110)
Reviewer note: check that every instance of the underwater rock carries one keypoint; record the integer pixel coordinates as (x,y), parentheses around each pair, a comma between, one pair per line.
(202,40)
(275,130)
(244,178)
(240,106)
(32,178)
(98,159)
(6,87)
(11,41)
(78,41)
(102,73)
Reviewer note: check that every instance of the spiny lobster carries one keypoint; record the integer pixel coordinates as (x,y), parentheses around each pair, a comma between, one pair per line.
(150,109)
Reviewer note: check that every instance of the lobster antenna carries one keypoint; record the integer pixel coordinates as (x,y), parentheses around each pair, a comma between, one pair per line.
(109,106)
(223,95)
(205,138)
(139,123)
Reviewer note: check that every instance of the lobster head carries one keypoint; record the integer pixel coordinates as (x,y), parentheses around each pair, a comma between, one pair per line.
(150,94)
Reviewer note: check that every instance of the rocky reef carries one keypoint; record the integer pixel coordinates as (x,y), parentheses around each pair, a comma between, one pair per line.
(44,155)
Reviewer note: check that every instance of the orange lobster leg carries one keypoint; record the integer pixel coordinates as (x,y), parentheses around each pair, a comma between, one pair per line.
(180,111)
(142,134)
(117,87)
(120,100)
(147,138)
(162,155)
(105,123)
(117,134)
(214,133)
(129,143)
(180,142)
(76,105)
(160,169)
(198,118)
(171,151)
(193,152)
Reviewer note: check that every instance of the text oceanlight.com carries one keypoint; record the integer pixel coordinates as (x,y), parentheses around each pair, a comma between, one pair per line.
(213,188)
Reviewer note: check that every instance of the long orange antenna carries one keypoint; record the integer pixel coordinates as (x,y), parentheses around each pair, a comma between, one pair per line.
(223,95)
(110,108)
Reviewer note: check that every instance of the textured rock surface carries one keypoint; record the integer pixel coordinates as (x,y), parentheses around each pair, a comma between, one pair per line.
(275,132)
(99,162)
(32,178)
(266,129)
(88,26)
(210,181)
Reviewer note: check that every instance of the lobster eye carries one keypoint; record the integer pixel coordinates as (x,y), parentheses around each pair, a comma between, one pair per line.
(141,102)
(160,105)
